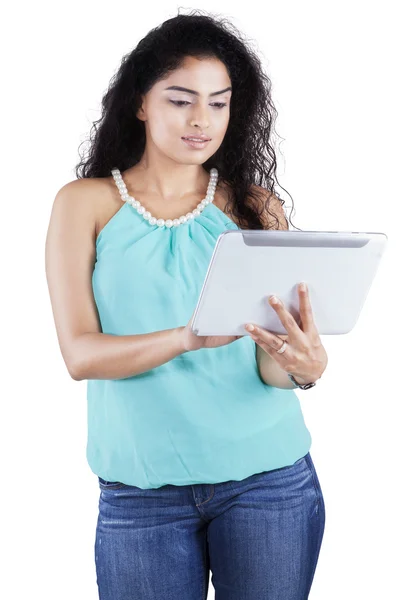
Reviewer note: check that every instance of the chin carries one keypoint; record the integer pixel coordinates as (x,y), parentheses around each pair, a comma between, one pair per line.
(192,160)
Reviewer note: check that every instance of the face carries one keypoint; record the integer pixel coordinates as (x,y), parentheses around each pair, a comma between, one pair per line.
(171,114)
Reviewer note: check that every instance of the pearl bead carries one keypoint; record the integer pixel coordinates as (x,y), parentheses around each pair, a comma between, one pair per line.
(147,216)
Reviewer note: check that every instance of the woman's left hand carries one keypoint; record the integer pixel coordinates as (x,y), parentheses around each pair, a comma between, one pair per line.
(305,357)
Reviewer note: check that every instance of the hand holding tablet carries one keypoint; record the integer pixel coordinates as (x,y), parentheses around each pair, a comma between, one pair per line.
(304,355)
(191,341)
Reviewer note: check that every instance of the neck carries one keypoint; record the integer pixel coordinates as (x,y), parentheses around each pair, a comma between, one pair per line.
(167,182)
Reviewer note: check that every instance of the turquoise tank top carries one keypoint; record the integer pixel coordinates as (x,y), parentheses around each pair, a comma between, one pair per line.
(203,417)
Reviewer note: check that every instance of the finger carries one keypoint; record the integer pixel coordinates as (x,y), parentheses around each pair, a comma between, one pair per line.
(286,318)
(306,312)
(262,336)
(284,360)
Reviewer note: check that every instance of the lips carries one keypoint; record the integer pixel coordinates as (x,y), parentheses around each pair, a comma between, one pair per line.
(197,138)
(200,144)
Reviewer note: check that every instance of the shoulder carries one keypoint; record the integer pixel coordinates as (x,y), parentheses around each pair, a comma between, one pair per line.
(76,195)
(83,191)
(270,208)
(86,198)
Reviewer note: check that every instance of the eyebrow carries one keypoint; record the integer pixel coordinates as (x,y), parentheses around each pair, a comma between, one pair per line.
(183,89)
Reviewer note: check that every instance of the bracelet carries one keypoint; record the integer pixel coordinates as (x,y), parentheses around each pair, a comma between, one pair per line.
(305,386)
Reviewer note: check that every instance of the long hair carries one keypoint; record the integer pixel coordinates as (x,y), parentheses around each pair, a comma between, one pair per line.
(245,160)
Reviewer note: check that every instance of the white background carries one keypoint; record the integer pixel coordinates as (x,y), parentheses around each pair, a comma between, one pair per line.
(335,84)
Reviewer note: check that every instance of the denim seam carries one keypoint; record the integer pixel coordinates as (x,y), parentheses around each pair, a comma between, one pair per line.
(314,483)
(209,498)
(203,592)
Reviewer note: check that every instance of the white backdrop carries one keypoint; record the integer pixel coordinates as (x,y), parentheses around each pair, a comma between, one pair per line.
(335,84)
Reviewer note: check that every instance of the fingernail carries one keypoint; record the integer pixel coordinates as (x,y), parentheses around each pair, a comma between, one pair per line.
(274,299)
(250,327)
(303,286)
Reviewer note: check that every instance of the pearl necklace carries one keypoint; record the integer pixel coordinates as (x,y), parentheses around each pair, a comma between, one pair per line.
(169,222)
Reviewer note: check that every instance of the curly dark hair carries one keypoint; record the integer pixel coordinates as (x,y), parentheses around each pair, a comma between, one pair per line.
(245,160)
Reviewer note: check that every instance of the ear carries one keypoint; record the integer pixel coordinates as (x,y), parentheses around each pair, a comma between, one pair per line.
(141,113)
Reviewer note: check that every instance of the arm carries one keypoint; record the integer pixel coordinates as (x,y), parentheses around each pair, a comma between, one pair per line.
(70,256)
(103,356)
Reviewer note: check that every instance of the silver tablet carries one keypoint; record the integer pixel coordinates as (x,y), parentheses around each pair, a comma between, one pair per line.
(247,266)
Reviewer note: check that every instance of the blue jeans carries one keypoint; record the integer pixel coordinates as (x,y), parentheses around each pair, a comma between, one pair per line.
(260,537)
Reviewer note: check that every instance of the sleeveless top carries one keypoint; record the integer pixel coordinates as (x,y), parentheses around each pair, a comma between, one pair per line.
(205,416)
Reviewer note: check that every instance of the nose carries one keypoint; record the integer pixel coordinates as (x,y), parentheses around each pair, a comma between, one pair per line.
(199,119)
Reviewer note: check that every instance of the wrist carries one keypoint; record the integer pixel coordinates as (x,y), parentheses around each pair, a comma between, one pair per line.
(312,378)
(178,332)
(302,381)
(302,384)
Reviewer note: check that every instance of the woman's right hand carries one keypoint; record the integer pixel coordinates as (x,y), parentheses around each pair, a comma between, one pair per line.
(191,341)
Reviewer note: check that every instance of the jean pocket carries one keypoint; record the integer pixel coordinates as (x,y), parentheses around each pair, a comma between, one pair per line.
(110,485)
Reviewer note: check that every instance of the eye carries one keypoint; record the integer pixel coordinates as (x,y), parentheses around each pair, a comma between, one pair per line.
(183,102)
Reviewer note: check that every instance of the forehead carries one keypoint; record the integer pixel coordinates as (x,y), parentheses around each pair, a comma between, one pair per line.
(204,76)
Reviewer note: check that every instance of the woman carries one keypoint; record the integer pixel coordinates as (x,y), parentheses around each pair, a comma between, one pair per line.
(199,443)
